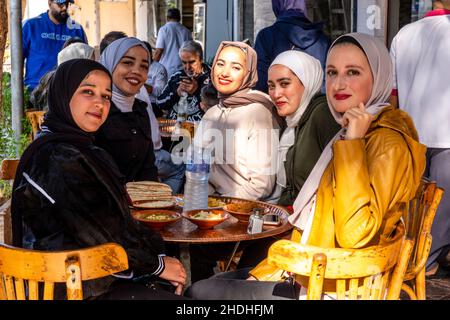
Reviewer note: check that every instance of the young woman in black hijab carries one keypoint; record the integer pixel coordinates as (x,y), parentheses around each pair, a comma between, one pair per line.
(69,194)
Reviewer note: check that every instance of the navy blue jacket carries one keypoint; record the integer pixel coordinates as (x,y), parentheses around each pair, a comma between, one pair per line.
(289,33)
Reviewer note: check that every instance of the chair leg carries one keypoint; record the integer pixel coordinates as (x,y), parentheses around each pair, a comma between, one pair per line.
(410,292)
(420,285)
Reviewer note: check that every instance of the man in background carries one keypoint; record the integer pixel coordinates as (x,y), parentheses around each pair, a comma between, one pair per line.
(170,38)
(44,36)
(189,79)
(421,56)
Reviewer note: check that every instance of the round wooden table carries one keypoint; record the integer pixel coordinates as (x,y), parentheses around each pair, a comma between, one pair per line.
(231,230)
(184,232)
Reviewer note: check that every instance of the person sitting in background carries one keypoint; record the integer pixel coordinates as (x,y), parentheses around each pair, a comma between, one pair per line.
(156,78)
(359,189)
(68,194)
(208,97)
(126,134)
(72,41)
(189,80)
(76,51)
(111,37)
(291,31)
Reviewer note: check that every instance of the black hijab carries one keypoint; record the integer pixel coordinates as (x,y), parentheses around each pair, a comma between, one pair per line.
(60,127)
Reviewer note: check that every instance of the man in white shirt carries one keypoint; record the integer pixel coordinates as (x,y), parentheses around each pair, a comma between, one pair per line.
(170,38)
(421,56)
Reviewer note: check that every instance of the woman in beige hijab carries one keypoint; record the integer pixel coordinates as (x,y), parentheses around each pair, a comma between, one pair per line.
(356,194)
(241,129)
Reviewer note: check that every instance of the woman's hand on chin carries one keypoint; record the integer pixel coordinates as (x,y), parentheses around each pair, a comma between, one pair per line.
(357,121)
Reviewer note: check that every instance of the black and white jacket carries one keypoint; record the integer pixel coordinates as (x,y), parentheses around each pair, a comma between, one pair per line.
(169,98)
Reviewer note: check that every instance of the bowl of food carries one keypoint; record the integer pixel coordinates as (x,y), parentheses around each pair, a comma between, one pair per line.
(156,219)
(206,218)
(242,210)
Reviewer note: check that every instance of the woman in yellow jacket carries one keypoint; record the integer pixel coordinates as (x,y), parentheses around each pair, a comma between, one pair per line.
(354,195)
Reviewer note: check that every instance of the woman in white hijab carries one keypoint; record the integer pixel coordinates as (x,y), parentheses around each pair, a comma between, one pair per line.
(294,81)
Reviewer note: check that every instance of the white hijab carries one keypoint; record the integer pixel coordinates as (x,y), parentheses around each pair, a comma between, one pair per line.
(309,71)
(382,71)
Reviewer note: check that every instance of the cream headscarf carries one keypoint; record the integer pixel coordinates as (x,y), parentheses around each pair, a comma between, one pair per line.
(382,71)
(309,71)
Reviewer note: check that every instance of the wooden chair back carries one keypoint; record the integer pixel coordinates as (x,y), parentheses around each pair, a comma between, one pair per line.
(36,118)
(21,270)
(419,219)
(8,170)
(372,273)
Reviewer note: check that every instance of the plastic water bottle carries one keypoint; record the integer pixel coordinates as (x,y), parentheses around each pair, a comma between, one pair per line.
(182,108)
(197,175)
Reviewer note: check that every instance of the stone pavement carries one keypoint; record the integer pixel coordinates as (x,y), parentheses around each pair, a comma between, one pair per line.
(438,288)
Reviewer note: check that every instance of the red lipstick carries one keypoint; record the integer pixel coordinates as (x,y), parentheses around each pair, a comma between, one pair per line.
(342,96)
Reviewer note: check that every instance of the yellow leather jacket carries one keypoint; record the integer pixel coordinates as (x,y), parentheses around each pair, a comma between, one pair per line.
(361,194)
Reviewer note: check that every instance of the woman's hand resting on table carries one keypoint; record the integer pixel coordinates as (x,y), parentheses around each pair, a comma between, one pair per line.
(174,273)
(357,121)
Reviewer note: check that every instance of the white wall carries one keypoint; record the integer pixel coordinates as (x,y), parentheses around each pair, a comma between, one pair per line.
(143,23)
(35,8)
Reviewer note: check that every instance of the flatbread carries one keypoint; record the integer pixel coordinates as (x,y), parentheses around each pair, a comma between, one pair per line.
(148,198)
(148,185)
(146,191)
(153,204)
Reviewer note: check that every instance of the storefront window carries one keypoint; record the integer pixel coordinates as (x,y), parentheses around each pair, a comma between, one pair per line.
(337,16)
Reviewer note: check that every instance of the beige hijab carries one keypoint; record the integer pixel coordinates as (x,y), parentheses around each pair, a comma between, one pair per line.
(382,71)
(244,95)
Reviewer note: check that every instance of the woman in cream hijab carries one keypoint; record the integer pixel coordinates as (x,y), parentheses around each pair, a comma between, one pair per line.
(240,128)
(356,193)
(294,82)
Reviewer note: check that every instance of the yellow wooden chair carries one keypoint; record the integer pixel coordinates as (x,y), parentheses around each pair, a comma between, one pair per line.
(419,219)
(7,172)
(22,270)
(373,273)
